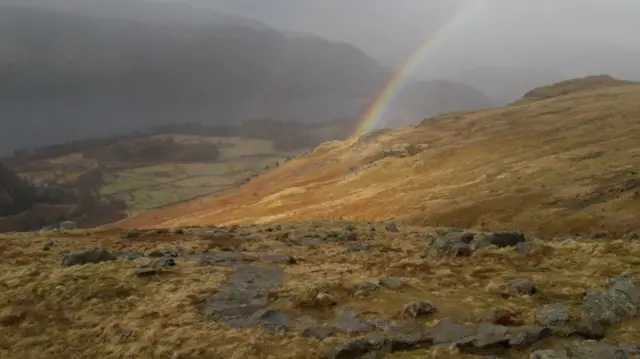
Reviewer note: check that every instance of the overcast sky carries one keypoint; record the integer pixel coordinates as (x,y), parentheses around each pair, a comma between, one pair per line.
(574,36)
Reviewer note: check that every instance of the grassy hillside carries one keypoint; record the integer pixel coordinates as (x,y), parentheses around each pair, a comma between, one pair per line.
(562,165)
(573,85)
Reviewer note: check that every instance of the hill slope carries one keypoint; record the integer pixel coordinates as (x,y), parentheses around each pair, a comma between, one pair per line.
(563,165)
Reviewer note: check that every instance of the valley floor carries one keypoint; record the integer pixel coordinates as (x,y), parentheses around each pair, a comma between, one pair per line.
(312,289)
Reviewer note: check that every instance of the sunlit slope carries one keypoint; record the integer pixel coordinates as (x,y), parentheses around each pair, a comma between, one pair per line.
(563,165)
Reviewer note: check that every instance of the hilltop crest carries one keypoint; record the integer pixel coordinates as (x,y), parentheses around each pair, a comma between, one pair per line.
(552,168)
(573,85)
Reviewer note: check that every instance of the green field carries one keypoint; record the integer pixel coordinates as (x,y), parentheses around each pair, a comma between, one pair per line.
(144,186)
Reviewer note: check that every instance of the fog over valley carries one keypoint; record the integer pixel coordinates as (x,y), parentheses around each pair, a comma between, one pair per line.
(76,68)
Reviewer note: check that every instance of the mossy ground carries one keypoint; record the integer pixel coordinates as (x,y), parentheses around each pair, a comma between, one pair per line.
(104,310)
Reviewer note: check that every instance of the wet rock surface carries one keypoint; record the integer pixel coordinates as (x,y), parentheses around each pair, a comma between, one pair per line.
(553,315)
(242,301)
(419,309)
(221,258)
(87,257)
(521,286)
(619,301)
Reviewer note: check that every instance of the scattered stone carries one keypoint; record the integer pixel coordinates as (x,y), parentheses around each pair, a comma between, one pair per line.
(631,349)
(449,330)
(399,327)
(553,315)
(318,332)
(350,322)
(455,244)
(525,247)
(522,286)
(419,309)
(391,227)
(444,231)
(590,329)
(392,282)
(275,329)
(524,336)
(348,236)
(595,350)
(365,287)
(88,257)
(126,334)
(619,301)
(488,336)
(549,354)
(343,236)
(161,263)
(325,300)
(404,342)
(499,239)
(146,272)
(502,316)
(304,321)
(355,348)
(129,256)
(279,259)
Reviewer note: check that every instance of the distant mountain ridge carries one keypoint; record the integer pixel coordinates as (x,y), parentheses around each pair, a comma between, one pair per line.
(506,84)
(424,99)
(141,11)
(82,75)
(92,68)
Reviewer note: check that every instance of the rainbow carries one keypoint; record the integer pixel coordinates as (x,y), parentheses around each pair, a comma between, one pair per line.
(374,113)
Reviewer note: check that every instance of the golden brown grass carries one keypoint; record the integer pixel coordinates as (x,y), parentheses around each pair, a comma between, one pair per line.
(103,310)
(563,165)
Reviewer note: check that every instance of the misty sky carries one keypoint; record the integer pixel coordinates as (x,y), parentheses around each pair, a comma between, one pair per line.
(577,37)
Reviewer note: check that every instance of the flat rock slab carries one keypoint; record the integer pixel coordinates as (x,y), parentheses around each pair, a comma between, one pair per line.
(221,258)
(279,259)
(242,301)
(310,241)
